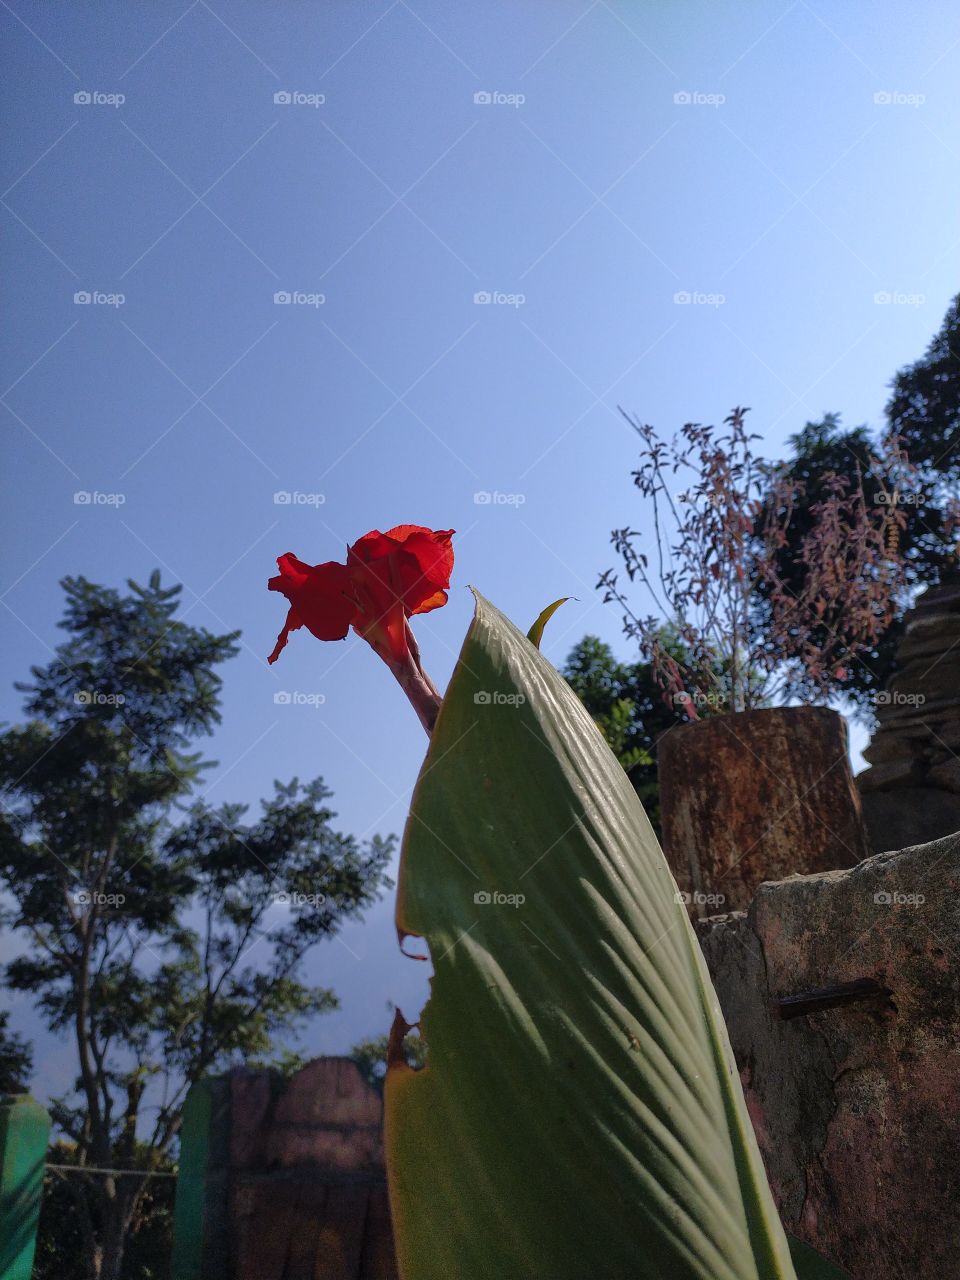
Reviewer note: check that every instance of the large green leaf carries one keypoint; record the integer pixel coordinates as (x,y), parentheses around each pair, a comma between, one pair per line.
(580,1115)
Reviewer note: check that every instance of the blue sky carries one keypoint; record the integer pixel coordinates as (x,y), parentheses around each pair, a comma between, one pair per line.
(781,164)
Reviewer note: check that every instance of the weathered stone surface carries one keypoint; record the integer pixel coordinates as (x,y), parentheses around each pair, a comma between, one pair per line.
(909,815)
(857,1107)
(947,774)
(915,752)
(889,774)
(325,1115)
(306,1186)
(946,595)
(755,796)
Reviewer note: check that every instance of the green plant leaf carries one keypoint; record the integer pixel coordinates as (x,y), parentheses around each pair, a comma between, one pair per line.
(535,634)
(580,1114)
(810,1265)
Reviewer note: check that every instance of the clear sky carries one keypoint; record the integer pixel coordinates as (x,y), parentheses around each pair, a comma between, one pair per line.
(781,164)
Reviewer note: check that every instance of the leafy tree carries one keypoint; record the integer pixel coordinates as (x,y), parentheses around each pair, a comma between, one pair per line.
(628,707)
(16,1059)
(61,1246)
(155,938)
(924,412)
(915,463)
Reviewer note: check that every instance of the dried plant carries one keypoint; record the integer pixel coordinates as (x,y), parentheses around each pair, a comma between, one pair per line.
(747,639)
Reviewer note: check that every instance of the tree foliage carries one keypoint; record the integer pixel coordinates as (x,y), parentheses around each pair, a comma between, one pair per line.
(16,1059)
(164,937)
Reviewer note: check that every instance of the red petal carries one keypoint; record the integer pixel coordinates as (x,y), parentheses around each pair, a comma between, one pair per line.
(291,624)
(409,562)
(320,596)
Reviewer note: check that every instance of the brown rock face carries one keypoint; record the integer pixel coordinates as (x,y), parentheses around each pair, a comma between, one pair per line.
(856,1104)
(914,751)
(756,796)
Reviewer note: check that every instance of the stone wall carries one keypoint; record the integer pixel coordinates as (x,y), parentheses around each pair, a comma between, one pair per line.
(841,993)
(911,791)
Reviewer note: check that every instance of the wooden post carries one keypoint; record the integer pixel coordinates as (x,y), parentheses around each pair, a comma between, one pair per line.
(201,1236)
(24,1136)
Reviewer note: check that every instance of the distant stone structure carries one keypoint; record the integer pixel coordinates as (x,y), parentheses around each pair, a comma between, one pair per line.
(911,791)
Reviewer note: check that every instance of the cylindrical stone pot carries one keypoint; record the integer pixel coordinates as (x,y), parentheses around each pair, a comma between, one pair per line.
(754,796)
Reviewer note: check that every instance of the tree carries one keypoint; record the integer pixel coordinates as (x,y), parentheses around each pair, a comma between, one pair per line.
(16,1059)
(915,462)
(924,409)
(628,708)
(165,938)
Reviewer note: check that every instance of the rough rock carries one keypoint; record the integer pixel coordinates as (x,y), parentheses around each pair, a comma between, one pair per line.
(856,1106)
(915,753)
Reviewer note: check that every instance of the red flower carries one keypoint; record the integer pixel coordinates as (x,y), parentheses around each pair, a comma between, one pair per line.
(397,574)
(388,577)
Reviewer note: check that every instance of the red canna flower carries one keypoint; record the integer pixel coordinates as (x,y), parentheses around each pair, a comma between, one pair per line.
(387,578)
